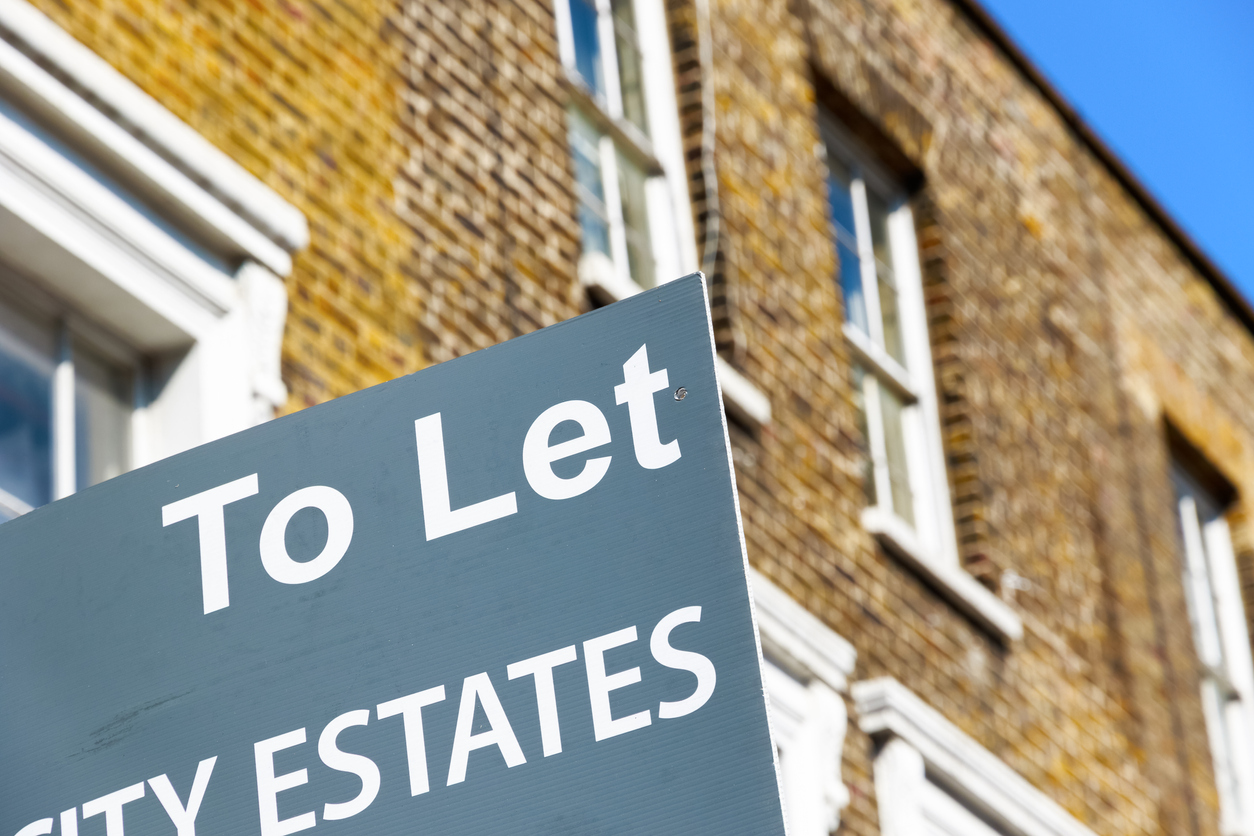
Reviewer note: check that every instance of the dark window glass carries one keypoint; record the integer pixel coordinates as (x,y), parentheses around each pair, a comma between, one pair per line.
(583,19)
(25,429)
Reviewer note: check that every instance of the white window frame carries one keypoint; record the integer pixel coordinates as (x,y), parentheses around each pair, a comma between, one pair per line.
(806,670)
(70,333)
(671,230)
(930,546)
(91,168)
(1217,612)
(660,154)
(931,777)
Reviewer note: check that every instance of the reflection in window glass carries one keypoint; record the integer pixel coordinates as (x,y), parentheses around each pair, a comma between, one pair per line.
(583,19)
(891,408)
(25,429)
(636,222)
(860,383)
(593,217)
(103,397)
(838,195)
(851,287)
(630,65)
(891,318)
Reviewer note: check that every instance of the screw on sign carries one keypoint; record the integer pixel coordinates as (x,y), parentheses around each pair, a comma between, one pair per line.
(449,602)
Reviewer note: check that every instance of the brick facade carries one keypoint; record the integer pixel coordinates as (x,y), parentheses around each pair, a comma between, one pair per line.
(426,143)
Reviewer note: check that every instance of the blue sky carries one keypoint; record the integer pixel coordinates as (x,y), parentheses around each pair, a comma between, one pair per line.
(1169,85)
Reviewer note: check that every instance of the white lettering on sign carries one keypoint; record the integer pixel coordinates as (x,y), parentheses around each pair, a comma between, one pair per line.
(600,684)
(270,785)
(339,515)
(437,513)
(683,660)
(341,761)
(111,805)
(478,688)
(207,507)
(539,455)
(410,708)
(477,691)
(637,390)
(440,519)
(184,817)
(541,667)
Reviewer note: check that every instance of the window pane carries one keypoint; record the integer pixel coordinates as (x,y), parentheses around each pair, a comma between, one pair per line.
(892,320)
(839,198)
(25,426)
(593,221)
(102,419)
(583,19)
(859,402)
(851,287)
(630,74)
(891,408)
(878,212)
(636,221)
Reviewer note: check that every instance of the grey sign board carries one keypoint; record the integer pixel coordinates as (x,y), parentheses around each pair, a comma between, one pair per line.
(505,594)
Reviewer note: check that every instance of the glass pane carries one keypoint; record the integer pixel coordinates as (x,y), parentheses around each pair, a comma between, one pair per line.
(583,19)
(839,198)
(878,212)
(851,287)
(25,425)
(636,221)
(585,148)
(891,407)
(859,402)
(630,75)
(102,419)
(892,321)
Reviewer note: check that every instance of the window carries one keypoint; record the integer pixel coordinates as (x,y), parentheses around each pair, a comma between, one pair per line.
(805,671)
(885,326)
(625,145)
(1221,637)
(931,779)
(871,225)
(65,409)
(141,309)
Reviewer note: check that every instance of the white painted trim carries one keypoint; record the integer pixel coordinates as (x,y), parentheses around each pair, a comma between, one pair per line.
(888,711)
(955,583)
(64,442)
(808,668)
(799,641)
(12,506)
(90,170)
(748,402)
(187,153)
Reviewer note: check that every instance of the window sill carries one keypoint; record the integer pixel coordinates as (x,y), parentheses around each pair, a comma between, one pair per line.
(742,399)
(962,590)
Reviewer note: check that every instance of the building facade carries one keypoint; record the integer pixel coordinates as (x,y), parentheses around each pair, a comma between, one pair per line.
(990,408)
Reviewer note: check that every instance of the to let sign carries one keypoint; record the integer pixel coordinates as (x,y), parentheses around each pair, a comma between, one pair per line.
(505,594)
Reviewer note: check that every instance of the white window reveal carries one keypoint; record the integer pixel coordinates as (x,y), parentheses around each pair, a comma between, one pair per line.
(634,213)
(931,779)
(141,304)
(807,666)
(908,504)
(1221,636)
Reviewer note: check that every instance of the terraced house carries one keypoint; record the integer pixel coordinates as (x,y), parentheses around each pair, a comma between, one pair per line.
(992,411)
